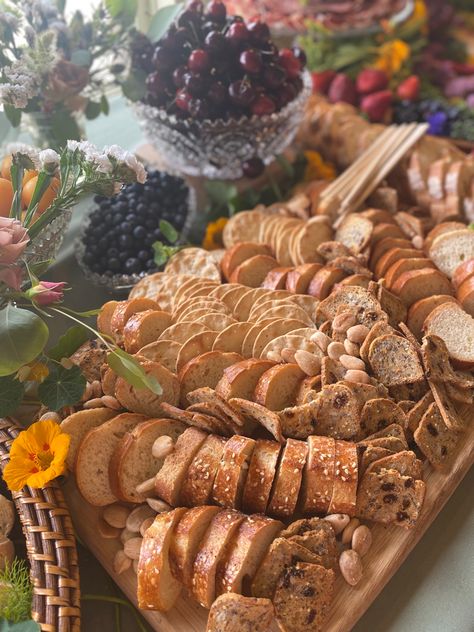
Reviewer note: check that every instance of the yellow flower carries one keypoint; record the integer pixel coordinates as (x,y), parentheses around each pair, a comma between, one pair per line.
(392,55)
(214,230)
(37,456)
(38,372)
(317,169)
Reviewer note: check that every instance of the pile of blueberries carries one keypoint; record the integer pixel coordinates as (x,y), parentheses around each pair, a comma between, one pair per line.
(122,230)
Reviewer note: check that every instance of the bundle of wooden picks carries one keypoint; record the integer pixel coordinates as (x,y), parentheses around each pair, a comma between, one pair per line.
(354,186)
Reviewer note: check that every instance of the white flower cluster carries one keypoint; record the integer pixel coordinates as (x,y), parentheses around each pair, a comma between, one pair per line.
(112,158)
(49,160)
(128,159)
(91,154)
(21,87)
(27,151)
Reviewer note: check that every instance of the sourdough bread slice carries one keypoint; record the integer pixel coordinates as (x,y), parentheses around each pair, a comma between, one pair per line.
(277,388)
(451,249)
(235,613)
(199,480)
(318,476)
(446,321)
(261,473)
(405,265)
(94,454)
(240,379)
(169,480)
(421,309)
(414,285)
(78,425)
(132,462)
(344,491)
(288,479)
(204,371)
(232,472)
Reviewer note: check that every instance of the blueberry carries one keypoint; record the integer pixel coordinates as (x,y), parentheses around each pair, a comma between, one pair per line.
(125,241)
(112,252)
(150,223)
(114,265)
(150,264)
(133,265)
(123,256)
(130,217)
(150,240)
(144,255)
(157,234)
(141,209)
(126,227)
(139,232)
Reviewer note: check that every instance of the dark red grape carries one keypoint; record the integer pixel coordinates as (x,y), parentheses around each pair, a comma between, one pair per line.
(273,76)
(215,41)
(259,31)
(199,60)
(216,10)
(162,58)
(263,106)
(217,93)
(242,93)
(178,76)
(253,168)
(251,61)
(182,100)
(237,33)
(300,55)
(289,63)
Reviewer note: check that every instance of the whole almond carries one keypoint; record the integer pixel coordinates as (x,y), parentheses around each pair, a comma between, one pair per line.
(308,362)
(162,447)
(146,487)
(351,348)
(357,333)
(362,540)
(159,506)
(144,526)
(335,350)
(132,548)
(106,531)
(349,362)
(110,402)
(127,535)
(351,567)
(339,522)
(273,356)
(342,322)
(137,516)
(288,355)
(356,376)
(116,516)
(321,340)
(94,403)
(349,530)
(121,562)
(417,242)
(52,416)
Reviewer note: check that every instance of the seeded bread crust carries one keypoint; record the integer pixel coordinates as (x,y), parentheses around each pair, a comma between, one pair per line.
(261,474)
(318,478)
(199,480)
(232,472)
(288,479)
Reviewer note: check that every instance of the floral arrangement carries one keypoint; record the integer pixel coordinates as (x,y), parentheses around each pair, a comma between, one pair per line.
(53,69)
(26,303)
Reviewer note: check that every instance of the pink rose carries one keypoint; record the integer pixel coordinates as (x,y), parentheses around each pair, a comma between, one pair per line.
(12,277)
(46,293)
(13,240)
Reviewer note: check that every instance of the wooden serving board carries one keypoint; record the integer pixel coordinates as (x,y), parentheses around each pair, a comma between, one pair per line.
(391,545)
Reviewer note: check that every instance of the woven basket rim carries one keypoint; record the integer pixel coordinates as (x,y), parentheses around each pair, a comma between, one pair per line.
(51,547)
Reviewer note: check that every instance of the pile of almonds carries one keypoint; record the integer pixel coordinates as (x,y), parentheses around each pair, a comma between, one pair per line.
(355,541)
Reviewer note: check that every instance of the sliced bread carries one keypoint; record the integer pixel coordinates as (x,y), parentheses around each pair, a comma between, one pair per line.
(414,285)
(199,480)
(446,321)
(344,493)
(232,472)
(260,477)
(204,370)
(449,250)
(277,388)
(78,425)
(419,311)
(318,475)
(288,479)
(145,327)
(235,613)
(240,379)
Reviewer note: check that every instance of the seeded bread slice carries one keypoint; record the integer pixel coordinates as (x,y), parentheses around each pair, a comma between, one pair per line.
(344,492)
(395,361)
(288,479)
(213,548)
(232,472)
(318,476)
(199,480)
(235,613)
(132,461)
(244,555)
(157,588)
(94,454)
(78,425)
(303,597)
(187,538)
(169,480)
(240,379)
(261,473)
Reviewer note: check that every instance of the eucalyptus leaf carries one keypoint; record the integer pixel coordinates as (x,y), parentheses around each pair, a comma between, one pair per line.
(11,395)
(133,87)
(81,57)
(62,387)
(68,343)
(93,110)
(169,231)
(13,115)
(162,20)
(23,336)
(122,10)
(130,369)
(104,104)
(23,626)
(65,127)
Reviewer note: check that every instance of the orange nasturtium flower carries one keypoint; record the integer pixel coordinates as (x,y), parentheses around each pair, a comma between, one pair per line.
(37,456)
(213,237)
(316,168)
(392,55)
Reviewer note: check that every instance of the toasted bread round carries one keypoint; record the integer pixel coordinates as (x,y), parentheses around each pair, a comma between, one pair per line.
(195,261)
(464,271)
(315,231)
(382,231)
(288,479)
(262,470)
(240,253)
(378,216)
(277,388)
(360,280)
(78,425)
(404,265)
(125,310)
(393,255)
(355,232)
(420,310)
(232,472)
(449,250)
(276,279)
(240,379)
(387,244)
(195,346)
(199,481)
(182,332)
(298,278)
(441,229)
(163,351)
(104,317)
(204,370)
(322,283)
(232,338)
(144,327)
(414,285)
(465,295)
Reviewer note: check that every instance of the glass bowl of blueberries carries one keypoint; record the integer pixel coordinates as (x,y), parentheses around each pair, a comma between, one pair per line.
(115,247)
(222,100)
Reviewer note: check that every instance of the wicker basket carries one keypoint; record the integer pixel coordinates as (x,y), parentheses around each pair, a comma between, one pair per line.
(51,548)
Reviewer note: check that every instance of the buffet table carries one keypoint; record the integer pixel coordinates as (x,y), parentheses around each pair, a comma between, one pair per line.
(433,589)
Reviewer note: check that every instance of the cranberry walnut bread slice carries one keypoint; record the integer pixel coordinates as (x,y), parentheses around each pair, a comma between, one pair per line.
(204,370)
(93,457)
(318,476)
(157,587)
(317,536)
(344,491)
(261,473)
(132,462)
(169,480)
(303,596)
(199,481)
(213,548)
(288,479)
(235,613)
(187,538)
(446,321)
(232,472)
(240,379)
(78,425)
(245,553)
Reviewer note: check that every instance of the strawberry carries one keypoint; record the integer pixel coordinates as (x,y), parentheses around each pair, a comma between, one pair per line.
(322,80)
(409,90)
(342,88)
(371,80)
(376,105)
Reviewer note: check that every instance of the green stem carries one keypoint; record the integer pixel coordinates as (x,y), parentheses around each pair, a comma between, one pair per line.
(116,600)
(94,331)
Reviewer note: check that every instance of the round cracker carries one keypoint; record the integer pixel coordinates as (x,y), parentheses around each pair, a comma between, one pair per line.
(181,332)
(315,231)
(203,303)
(194,261)
(273,330)
(246,302)
(219,291)
(163,351)
(261,308)
(196,345)
(241,227)
(288,312)
(232,337)
(216,322)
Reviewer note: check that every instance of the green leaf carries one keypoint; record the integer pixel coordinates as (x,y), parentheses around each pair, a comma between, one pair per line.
(104,104)
(81,57)
(220,192)
(163,252)
(23,336)
(162,20)
(12,114)
(169,231)
(123,10)
(134,85)
(11,395)
(130,369)
(93,110)
(62,387)
(68,343)
(23,626)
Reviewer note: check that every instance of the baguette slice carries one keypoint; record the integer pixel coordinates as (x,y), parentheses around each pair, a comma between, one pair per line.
(204,371)
(276,279)
(421,309)
(404,265)
(415,285)
(464,271)
(78,425)
(94,454)
(132,462)
(187,538)
(392,256)
(321,284)
(157,588)
(125,310)
(145,327)
(299,278)
(240,379)
(344,492)
(232,472)
(384,246)
(213,548)
(243,557)
(240,253)
(465,295)
(449,250)
(169,480)
(261,474)
(277,388)
(318,476)
(253,271)
(197,486)
(446,321)
(104,317)
(235,613)
(288,479)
